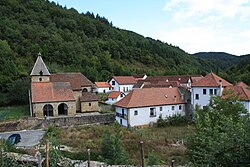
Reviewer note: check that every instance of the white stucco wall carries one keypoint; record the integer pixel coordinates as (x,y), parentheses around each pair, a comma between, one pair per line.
(143,114)
(121,88)
(203,98)
(247,105)
(101,90)
(122,121)
(114,100)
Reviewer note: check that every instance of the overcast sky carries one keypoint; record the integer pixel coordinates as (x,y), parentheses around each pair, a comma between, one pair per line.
(193,25)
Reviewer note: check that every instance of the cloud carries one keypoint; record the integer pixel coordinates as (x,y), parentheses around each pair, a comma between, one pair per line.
(184,9)
(206,39)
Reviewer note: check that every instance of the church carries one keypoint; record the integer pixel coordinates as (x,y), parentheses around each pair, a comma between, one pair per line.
(63,94)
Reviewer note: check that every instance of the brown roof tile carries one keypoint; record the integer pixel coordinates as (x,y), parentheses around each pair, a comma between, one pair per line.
(51,91)
(124,80)
(241,92)
(179,78)
(77,80)
(114,94)
(88,96)
(242,84)
(211,80)
(102,84)
(150,97)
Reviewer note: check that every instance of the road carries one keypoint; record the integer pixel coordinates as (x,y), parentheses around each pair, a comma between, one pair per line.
(29,138)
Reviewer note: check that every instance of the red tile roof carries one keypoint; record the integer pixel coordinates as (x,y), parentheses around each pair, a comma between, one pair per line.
(242,84)
(179,78)
(77,80)
(51,91)
(240,91)
(114,94)
(150,97)
(211,80)
(102,84)
(88,96)
(124,80)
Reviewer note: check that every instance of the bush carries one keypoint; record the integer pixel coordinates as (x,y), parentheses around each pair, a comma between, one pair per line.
(175,120)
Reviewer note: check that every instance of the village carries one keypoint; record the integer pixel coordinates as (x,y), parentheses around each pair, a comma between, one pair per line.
(138,100)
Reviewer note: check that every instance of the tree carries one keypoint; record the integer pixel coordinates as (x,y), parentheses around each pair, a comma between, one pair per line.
(112,150)
(221,134)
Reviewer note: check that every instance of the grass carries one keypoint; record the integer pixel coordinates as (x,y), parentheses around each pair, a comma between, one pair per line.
(10,113)
(157,140)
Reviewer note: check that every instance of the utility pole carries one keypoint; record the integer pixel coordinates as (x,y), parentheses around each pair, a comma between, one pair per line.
(142,153)
(88,157)
(47,153)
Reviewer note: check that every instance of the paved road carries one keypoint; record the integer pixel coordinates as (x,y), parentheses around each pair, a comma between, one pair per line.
(29,138)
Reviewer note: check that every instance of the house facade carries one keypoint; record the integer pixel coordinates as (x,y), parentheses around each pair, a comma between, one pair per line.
(103,87)
(144,106)
(114,97)
(122,83)
(57,94)
(203,89)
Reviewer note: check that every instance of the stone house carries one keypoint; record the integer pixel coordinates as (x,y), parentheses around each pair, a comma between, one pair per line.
(59,94)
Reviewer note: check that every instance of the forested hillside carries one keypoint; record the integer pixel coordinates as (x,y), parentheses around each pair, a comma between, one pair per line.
(85,43)
(220,59)
(239,72)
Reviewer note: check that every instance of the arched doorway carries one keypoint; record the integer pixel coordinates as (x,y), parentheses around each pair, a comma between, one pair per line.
(63,109)
(85,90)
(48,110)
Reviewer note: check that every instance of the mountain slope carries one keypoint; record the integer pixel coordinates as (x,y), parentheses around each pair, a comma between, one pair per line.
(85,43)
(220,59)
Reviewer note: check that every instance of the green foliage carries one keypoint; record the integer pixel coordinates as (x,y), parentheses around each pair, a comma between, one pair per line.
(111,148)
(153,159)
(221,135)
(85,43)
(174,120)
(9,113)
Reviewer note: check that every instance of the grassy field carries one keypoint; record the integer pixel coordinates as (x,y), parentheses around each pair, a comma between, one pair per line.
(162,141)
(10,113)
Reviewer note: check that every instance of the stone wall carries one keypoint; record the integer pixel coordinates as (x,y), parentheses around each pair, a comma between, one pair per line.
(37,79)
(80,120)
(38,108)
(90,106)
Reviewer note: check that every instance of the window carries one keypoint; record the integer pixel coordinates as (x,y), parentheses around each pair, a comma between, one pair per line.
(89,104)
(180,107)
(127,89)
(123,89)
(104,91)
(135,112)
(40,79)
(85,90)
(197,96)
(173,107)
(121,95)
(215,91)
(120,121)
(122,111)
(204,91)
(113,82)
(160,108)
(211,91)
(152,112)
(109,88)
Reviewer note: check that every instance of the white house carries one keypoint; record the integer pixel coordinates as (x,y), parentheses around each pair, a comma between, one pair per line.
(203,89)
(114,97)
(103,87)
(122,83)
(143,106)
(241,90)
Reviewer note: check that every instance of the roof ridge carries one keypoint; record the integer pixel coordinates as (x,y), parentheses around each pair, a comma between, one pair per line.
(244,90)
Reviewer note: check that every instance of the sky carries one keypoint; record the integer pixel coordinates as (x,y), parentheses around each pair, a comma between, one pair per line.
(193,25)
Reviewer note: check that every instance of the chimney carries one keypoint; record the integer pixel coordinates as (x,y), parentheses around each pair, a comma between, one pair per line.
(221,88)
(174,98)
(182,96)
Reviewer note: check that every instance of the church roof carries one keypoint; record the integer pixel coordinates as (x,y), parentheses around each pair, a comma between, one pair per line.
(51,92)
(39,68)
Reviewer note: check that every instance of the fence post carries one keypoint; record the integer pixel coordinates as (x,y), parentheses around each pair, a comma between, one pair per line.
(88,157)
(47,153)
(39,159)
(142,153)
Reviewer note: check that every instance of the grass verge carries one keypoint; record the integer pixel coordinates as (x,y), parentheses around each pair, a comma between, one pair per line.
(13,112)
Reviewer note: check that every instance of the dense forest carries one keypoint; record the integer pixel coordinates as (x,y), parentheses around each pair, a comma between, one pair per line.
(220,59)
(80,42)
